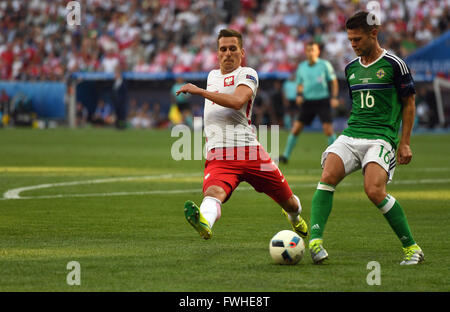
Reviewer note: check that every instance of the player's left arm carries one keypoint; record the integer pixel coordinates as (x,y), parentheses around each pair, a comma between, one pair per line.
(404,154)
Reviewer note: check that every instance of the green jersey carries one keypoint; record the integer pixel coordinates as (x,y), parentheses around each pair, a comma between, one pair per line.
(376,91)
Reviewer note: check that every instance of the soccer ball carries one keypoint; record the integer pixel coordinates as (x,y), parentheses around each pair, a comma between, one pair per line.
(286,247)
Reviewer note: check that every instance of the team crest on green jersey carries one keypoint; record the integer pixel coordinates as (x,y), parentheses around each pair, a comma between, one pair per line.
(380,73)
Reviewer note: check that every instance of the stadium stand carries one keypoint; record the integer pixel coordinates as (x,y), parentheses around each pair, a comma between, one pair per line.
(169,36)
(179,36)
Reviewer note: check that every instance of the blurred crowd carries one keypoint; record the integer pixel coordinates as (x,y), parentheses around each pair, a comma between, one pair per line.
(180,35)
(139,116)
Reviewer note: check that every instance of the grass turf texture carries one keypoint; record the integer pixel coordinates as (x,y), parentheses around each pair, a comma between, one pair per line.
(137,239)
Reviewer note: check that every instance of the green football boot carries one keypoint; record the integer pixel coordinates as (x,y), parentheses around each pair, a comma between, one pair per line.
(413,255)
(195,218)
(318,253)
(300,227)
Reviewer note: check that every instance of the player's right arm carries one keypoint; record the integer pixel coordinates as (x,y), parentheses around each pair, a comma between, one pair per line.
(404,84)
(236,100)
(404,150)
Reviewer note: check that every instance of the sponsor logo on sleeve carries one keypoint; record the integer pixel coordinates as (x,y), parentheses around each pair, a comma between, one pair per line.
(251,78)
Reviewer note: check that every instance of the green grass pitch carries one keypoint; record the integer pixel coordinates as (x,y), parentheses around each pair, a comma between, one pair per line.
(113,201)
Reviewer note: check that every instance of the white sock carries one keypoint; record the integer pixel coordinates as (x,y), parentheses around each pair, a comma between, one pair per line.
(293,216)
(211,209)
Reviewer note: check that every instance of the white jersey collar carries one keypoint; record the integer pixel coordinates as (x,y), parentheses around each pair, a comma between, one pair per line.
(381,56)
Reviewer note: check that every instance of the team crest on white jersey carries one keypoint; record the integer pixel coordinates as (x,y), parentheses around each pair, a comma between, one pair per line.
(228,81)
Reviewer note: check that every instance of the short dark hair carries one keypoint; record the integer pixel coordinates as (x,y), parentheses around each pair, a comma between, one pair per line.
(230,33)
(312,42)
(359,20)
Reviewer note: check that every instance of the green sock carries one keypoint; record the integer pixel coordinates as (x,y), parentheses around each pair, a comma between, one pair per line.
(331,139)
(290,144)
(396,218)
(321,204)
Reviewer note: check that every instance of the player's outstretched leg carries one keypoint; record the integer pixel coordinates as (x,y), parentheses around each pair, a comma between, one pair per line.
(299,225)
(196,219)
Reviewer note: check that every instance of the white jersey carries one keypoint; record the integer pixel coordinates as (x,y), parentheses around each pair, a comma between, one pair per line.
(228,127)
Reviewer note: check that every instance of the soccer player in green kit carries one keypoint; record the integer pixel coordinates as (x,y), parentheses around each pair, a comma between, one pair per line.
(382,92)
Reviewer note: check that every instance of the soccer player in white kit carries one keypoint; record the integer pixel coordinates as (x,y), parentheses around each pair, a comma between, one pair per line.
(234,153)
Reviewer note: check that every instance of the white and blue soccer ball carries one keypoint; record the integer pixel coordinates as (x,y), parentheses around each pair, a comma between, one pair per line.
(287,247)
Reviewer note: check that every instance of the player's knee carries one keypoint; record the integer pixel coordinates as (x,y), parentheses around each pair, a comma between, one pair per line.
(375,194)
(329,178)
(327,129)
(297,129)
(216,192)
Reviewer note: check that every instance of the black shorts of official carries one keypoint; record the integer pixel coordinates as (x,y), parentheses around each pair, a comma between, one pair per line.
(183,106)
(293,107)
(310,108)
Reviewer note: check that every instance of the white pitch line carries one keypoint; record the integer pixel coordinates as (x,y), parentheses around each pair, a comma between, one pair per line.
(114,194)
(422,181)
(318,170)
(197,190)
(15,193)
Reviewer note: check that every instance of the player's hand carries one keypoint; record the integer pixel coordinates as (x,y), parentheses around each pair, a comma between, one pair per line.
(334,102)
(404,154)
(189,88)
(299,100)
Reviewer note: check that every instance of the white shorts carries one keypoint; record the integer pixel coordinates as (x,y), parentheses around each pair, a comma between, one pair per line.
(357,153)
